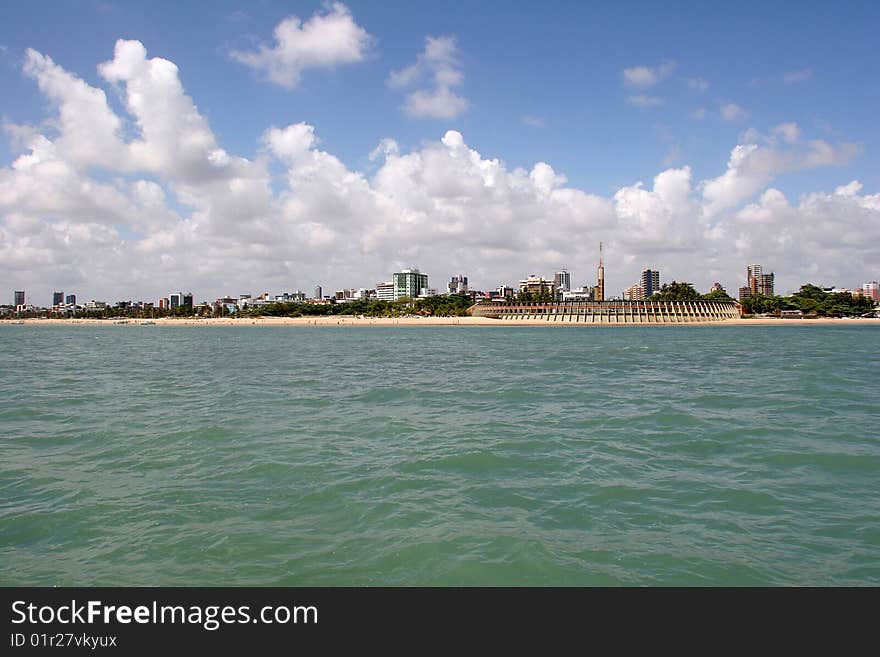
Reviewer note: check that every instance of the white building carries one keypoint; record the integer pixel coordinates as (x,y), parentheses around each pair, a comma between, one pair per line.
(578,294)
(385,291)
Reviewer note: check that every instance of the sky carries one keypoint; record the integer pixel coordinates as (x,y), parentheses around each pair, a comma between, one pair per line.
(227,148)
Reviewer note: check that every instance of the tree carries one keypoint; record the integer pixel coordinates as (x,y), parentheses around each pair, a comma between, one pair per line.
(717,295)
(676,291)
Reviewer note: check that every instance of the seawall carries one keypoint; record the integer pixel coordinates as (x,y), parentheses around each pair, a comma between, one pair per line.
(612,312)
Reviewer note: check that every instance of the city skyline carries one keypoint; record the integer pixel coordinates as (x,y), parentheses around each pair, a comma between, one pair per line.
(256,154)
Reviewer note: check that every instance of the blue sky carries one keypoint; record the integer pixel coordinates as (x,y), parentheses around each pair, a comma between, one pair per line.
(540,82)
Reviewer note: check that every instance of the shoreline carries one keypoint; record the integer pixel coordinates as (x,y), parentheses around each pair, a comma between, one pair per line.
(421,321)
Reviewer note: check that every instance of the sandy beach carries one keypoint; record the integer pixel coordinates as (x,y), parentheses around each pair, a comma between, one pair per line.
(423,321)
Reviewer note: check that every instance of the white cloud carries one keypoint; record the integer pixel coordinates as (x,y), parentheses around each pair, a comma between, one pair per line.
(698,114)
(647,76)
(386,148)
(324,41)
(733,112)
(291,143)
(169,207)
(534,121)
(790,132)
(440,103)
(698,84)
(645,101)
(439,62)
(752,167)
(793,77)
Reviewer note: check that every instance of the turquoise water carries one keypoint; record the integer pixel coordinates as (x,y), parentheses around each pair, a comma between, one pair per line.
(152,455)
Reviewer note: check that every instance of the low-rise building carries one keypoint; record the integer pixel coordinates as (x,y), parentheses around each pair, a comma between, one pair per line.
(535,284)
(385,291)
(578,294)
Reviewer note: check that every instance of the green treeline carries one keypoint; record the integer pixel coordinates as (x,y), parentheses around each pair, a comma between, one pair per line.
(443,305)
(811,300)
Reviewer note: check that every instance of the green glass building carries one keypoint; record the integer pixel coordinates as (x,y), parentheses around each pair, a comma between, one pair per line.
(410,283)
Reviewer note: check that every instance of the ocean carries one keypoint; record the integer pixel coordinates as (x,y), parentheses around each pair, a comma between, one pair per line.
(328,456)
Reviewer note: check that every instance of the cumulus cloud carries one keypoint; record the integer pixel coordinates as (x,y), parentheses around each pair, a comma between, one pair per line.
(325,40)
(753,166)
(647,76)
(439,65)
(170,208)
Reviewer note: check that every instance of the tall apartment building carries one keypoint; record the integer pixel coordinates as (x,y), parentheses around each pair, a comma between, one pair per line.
(19,298)
(650,282)
(458,285)
(871,290)
(70,300)
(410,283)
(57,298)
(757,282)
(562,279)
(319,292)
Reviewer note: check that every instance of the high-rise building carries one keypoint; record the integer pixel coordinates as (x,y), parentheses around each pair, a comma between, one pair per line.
(650,282)
(57,298)
(70,300)
(758,282)
(871,290)
(458,285)
(19,298)
(410,283)
(319,292)
(181,299)
(753,275)
(562,279)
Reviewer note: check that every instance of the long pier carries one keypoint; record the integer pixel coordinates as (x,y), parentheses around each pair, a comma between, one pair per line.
(612,312)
